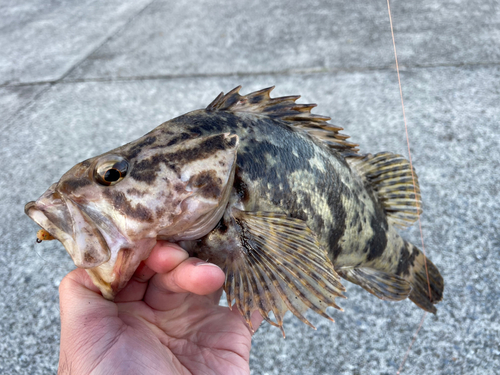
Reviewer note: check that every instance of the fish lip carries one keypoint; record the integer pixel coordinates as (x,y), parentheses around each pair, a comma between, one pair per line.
(66,222)
(40,211)
(28,206)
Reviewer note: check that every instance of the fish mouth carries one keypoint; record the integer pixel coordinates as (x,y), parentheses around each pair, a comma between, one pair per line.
(62,218)
(92,241)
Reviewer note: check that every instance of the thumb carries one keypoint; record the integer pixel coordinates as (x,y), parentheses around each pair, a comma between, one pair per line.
(81,304)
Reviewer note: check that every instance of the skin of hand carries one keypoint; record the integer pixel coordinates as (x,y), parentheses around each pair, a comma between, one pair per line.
(167,320)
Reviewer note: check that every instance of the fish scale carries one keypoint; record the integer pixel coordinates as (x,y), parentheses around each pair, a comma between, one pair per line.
(274,195)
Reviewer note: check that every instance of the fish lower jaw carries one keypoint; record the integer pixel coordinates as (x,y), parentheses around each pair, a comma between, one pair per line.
(104,286)
(111,277)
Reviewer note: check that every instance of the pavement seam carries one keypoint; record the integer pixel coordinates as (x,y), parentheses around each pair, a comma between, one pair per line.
(9,120)
(52,83)
(110,36)
(290,72)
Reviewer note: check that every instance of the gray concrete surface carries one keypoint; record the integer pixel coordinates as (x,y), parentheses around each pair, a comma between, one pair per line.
(79,78)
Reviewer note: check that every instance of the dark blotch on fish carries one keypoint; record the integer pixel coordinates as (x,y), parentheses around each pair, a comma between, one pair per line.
(406,260)
(136,192)
(221,226)
(146,170)
(208,183)
(241,188)
(182,137)
(122,204)
(134,151)
(89,258)
(377,244)
(76,183)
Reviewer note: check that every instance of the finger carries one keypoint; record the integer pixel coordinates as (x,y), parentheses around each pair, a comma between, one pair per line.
(143,273)
(193,276)
(137,285)
(217,295)
(164,257)
(168,291)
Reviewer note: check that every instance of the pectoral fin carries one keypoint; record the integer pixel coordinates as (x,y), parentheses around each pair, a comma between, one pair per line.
(382,284)
(281,267)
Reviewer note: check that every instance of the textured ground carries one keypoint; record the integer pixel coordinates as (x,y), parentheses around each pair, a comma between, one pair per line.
(79,78)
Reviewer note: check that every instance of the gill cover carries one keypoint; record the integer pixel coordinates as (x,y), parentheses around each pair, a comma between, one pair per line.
(208,181)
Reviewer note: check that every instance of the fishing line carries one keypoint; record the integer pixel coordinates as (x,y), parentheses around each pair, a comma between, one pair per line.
(51,253)
(414,186)
(411,344)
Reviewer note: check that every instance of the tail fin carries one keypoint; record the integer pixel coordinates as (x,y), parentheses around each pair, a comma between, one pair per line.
(424,280)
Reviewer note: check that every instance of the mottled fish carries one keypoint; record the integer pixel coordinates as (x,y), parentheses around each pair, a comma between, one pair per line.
(271,193)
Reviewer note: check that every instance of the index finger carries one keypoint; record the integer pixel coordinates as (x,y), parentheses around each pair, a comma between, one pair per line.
(164,257)
(169,290)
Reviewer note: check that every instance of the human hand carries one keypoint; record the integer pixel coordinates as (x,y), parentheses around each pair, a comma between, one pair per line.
(165,321)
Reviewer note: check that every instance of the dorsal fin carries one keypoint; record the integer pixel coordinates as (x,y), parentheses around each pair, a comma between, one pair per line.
(285,108)
(390,176)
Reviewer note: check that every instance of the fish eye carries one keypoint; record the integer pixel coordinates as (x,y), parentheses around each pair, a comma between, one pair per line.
(112,175)
(110,170)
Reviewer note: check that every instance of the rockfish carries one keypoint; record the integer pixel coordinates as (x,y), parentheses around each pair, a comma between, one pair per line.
(271,193)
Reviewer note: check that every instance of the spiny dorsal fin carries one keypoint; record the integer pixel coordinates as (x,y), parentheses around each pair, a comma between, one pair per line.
(390,176)
(285,108)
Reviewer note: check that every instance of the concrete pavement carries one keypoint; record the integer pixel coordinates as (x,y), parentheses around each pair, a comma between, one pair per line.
(80,78)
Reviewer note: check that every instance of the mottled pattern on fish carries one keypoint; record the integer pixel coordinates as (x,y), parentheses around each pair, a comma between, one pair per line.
(273,194)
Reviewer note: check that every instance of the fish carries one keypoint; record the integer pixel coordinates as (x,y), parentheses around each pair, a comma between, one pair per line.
(273,194)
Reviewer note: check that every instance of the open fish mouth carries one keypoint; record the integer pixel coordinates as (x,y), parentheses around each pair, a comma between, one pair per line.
(63,219)
(91,240)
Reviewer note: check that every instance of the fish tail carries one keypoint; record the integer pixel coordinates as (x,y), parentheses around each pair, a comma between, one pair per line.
(426,281)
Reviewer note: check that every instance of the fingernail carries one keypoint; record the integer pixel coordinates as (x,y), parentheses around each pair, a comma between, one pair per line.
(206,264)
(171,245)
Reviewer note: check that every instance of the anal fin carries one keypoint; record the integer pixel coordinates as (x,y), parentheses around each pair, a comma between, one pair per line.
(384,285)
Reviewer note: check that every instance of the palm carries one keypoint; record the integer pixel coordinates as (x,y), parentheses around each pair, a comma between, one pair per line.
(204,338)
(155,331)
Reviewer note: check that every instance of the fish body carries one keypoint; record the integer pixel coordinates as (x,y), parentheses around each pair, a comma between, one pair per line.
(271,193)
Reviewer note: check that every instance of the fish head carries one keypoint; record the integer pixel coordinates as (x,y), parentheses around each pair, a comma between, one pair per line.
(109,211)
